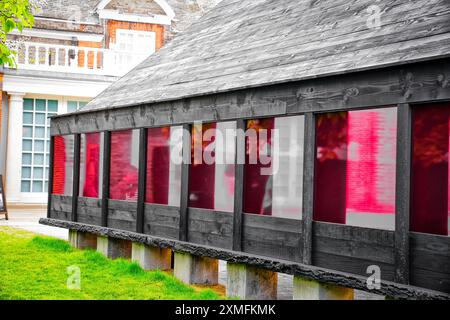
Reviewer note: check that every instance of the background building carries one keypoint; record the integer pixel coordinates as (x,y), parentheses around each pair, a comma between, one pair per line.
(75,51)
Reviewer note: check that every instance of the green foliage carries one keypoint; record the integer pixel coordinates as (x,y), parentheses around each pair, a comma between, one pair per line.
(35,268)
(14,14)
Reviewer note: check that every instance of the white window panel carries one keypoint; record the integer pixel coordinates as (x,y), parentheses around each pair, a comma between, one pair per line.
(36,144)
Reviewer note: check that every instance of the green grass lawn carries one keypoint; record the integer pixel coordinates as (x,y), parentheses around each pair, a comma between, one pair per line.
(35,267)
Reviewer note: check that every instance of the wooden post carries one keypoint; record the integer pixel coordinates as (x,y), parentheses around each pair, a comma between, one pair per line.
(402,193)
(76,176)
(106,169)
(142,180)
(308,186)
(184,201)
(241,126)
(50,176)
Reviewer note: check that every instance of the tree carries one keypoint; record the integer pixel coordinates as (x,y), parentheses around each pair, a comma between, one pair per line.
(15,14)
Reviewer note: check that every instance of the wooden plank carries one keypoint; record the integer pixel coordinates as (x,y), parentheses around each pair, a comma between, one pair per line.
(211,228)
(76,176)
(355,249)
(350,264)
(272,223)
(105,178)
(184,201)
(308,187)
(90,211)
(50,176)
(163,221)
(241,127)
(433,280)
(402,193)
(122,215)
(142,183)
(359,234)
(272,236)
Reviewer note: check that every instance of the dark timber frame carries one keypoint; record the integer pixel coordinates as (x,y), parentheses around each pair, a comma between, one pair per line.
(405,257)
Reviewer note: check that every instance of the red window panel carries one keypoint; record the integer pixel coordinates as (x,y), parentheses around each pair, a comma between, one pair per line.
(158,165)
(355,168)
(211,181)
(273,183)
(124,165)
(91,165)
(63,165)
(430,172)
(257,184)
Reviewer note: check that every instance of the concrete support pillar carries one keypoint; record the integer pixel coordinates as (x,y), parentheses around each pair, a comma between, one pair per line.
(114,248)
(251,283)
(196,270)
(151,258)
(82,240)
(14,147)
(306,289)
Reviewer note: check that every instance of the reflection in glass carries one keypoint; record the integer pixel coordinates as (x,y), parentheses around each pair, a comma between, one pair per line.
(430,171)
(355,168)
(63,165)
(211,182)
(163,172)
(91,165)
(273,179)
(124,165)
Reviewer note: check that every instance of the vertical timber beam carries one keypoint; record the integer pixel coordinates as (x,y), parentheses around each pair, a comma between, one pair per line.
(402,193)
(50,177)
(184,201)
(142,180)
(105,184)
(308,187)
(241,126)
(76,176)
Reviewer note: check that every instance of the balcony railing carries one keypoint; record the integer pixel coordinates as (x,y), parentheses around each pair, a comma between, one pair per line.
(73,59)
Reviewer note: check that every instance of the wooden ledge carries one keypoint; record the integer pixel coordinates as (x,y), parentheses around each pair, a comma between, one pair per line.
(343,279)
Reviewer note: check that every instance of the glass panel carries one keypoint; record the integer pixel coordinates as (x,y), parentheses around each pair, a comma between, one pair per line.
(37,186)
(27,145)
(39,132)
(430,207)
(81,104)
(26,158)
(211,183)
(124,165)
(63,165)
(38,173)
(273,180)
(28,104)
(28,118)
(39,146)
(163,172)
(40,118)
(355,168)
(91,165)
(72,106)
(27,132)
(40,105)
(26,172)
(38,159)
(52,106)
(25,186)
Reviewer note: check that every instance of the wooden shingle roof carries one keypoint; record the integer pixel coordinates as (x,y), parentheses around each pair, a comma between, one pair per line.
(250,43)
